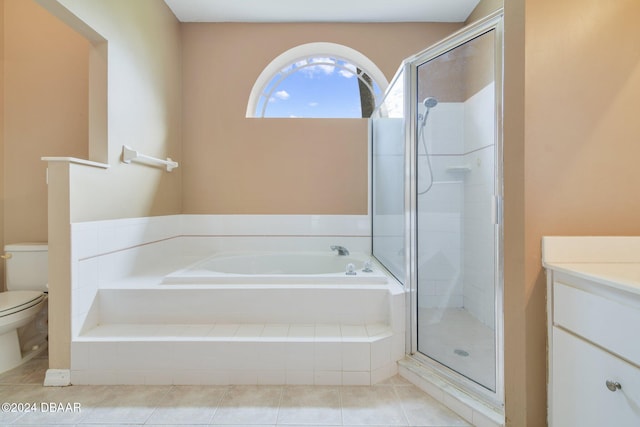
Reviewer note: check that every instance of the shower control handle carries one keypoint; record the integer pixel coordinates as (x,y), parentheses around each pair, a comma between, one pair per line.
(613,385)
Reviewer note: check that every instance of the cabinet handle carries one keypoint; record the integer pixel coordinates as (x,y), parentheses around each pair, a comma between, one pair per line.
(613,385)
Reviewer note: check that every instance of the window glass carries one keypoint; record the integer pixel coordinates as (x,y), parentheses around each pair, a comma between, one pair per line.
(319,87)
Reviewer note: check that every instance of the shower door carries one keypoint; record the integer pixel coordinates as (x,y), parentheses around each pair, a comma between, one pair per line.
(456,194)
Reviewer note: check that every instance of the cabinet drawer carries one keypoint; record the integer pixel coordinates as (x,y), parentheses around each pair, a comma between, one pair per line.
(607,323)
(579,395)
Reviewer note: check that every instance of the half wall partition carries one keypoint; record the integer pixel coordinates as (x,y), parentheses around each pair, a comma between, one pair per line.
(436,203)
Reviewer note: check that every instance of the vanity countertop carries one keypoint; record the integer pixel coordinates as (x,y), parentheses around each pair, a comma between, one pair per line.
(620,275)
(611,260)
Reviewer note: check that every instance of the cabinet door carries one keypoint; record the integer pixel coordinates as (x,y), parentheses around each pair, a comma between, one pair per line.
(579,391)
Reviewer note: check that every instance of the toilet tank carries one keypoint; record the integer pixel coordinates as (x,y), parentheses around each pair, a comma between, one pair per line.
(26,266)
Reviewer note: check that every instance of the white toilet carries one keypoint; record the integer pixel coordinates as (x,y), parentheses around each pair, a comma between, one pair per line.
(23,307)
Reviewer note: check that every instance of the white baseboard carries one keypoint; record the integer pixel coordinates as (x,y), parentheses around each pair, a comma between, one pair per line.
(57,378)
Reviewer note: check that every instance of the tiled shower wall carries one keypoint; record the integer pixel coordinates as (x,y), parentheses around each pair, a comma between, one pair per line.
(440,209)
(455,217)
(478,224)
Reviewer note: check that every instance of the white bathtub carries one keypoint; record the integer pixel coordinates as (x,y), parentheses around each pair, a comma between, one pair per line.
(185,311)
(302,268)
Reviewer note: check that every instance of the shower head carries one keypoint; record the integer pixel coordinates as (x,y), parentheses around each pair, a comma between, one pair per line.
(430,102)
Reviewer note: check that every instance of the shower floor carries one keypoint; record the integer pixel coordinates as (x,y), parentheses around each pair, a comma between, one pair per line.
(456,339)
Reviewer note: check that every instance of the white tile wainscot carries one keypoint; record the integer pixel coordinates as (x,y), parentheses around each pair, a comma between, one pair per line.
(128,329)
(593,310)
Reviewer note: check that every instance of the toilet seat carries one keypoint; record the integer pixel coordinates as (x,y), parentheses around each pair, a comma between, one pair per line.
(15,301)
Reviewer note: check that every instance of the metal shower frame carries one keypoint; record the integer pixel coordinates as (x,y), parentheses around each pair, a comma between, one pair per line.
(493,22)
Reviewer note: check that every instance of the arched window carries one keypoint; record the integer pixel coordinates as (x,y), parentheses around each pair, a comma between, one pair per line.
(318,80)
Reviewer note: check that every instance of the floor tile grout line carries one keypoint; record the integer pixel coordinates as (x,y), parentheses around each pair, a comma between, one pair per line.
(341,403)
(402,406)
(155,408)
(279,403)
(220,400)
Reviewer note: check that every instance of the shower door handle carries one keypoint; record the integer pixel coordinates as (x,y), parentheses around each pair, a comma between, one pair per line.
(496,209)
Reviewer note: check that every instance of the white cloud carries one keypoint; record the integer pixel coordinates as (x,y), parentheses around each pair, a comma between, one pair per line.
(282,94)
(322,66)
(313,104)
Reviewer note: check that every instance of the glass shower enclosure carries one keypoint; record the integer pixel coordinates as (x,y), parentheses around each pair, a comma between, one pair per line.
(436,203)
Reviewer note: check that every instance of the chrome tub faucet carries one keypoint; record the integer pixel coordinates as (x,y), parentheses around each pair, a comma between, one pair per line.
(341,250)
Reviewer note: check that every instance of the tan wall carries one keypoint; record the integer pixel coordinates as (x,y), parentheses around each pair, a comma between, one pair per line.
(2,287)
(457,75)
(570,159)
(235,165)
(144,110)
(517,400)
(45,100)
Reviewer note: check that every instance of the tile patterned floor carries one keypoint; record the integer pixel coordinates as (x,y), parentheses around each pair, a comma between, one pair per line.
(395,402)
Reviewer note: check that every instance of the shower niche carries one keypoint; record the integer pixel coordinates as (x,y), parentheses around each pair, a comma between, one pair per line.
(436,143)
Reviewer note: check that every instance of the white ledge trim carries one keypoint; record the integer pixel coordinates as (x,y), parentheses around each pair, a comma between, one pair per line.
(76,161)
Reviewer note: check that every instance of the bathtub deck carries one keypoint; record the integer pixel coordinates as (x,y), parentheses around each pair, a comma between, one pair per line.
(268,332)
(140,331)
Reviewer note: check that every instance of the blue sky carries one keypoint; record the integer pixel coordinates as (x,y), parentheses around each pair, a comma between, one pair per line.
(316,91)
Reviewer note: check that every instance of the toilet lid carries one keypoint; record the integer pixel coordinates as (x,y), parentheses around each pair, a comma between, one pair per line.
(13,301)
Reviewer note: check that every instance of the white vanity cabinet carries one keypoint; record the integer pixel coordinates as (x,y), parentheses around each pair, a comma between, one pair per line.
(593,311)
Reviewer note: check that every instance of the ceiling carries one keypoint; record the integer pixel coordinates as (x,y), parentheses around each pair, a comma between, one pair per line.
(322,10)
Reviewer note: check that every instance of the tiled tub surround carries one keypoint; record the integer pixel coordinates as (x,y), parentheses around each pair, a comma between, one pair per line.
(128,328)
